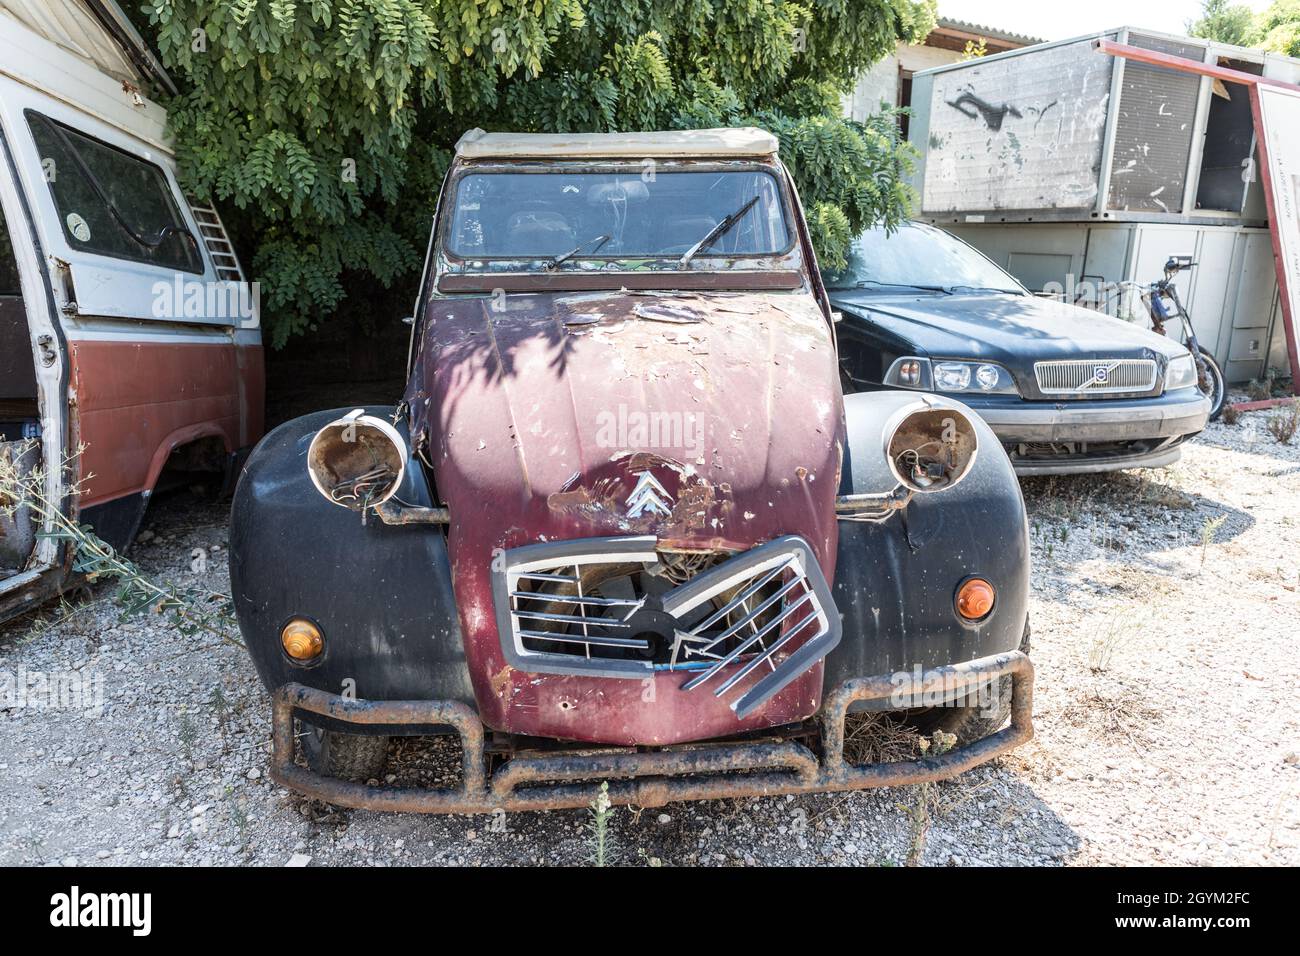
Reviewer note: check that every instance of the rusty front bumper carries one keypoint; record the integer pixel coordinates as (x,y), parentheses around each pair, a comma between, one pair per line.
(641,778)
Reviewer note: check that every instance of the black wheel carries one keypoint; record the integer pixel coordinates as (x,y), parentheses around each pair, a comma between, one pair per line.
(971,723)
(1215,389)
(358,757)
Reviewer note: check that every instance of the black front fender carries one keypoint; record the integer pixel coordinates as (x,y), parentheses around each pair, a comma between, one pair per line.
(896,581)
(381,595)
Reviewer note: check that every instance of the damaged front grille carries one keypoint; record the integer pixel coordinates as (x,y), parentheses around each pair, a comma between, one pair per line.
(744,624)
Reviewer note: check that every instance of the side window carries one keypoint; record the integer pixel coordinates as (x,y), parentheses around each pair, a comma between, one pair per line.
(110,202)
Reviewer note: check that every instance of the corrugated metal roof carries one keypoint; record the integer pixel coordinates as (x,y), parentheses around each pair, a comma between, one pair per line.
(990,33)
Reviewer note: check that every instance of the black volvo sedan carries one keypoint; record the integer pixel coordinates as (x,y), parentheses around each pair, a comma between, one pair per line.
(1065,389)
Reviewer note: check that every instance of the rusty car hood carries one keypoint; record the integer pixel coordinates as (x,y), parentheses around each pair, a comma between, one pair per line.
(528,416)
(539,417)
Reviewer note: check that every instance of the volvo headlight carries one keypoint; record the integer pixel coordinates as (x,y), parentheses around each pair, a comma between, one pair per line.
(1181,372)
(969,377)
(973,377)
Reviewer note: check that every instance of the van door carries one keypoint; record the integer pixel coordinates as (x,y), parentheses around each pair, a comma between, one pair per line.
(33,419)
(130,340)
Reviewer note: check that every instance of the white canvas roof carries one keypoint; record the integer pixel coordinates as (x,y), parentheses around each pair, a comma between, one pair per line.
(743,141)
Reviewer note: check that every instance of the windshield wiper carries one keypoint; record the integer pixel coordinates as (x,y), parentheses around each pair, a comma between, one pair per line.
(874,283)
(554,263)
(981,288)
(715,233)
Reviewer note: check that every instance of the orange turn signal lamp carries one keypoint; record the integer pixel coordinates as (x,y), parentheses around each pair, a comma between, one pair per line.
(975,599)
(302,640)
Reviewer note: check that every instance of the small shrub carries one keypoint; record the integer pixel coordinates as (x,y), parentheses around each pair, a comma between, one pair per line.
(1282,424)
(598,827)
(1230,415)
(1260,391)
(1208,530)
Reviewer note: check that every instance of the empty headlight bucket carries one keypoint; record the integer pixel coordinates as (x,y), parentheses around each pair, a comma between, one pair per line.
(929,447)
(357,461)
(1181,372)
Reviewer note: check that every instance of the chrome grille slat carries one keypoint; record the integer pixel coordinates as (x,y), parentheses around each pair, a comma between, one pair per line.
(747,619)
(744,596)
(1095,376)
(568,618)
(538,576)
(745,671)
(749,642)
(631,642)
(587,600)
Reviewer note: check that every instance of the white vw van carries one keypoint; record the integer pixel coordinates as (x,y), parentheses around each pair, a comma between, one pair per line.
(129,340)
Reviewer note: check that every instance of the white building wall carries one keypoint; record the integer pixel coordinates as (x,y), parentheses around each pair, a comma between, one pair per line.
(880,83)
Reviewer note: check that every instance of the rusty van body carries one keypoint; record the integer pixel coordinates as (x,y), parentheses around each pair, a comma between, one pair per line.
(128,339)
(623,525)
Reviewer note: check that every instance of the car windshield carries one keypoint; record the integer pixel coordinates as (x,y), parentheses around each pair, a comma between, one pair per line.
(916,257)
(572,215)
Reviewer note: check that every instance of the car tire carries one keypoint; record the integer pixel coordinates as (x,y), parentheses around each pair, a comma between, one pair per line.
(1218,389)
(356,757)
(972,723)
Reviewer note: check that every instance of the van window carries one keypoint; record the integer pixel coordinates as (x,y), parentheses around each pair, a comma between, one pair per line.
(110,202)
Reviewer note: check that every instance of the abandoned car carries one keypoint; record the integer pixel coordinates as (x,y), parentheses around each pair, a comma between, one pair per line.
(623,526)
(129,342)
(1064,388)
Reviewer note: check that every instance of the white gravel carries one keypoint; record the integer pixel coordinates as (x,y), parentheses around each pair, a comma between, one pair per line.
(1166,699)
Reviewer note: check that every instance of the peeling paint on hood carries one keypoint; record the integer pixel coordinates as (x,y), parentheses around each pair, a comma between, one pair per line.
(539,418)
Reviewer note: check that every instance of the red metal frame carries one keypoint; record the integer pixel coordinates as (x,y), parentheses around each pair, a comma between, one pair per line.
(1253,82)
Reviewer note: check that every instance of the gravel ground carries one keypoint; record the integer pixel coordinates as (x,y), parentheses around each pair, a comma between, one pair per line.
(1165,612)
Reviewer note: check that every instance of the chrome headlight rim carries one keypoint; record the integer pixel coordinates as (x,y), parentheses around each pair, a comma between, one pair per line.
(1181,372)
(331,471)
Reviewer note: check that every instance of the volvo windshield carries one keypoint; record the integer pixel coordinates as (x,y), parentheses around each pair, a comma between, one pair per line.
(917,257)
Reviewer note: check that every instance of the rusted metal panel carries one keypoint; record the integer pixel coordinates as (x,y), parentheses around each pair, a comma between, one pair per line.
(1021,132)
(525,414)
(138,398)
(571,779)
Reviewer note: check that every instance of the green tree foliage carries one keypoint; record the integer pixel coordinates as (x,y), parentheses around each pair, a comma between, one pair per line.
(326,124)
(1224,21)
(1278,28)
